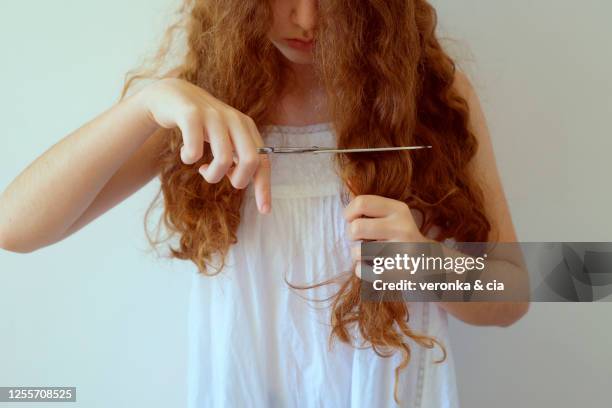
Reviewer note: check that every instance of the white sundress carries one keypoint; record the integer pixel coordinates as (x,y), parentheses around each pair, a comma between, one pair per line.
(255,342)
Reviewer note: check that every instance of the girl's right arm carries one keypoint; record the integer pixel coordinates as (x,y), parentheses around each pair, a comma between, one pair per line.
(104,161)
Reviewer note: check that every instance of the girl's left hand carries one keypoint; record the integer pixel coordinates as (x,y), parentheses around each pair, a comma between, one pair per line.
(387,220)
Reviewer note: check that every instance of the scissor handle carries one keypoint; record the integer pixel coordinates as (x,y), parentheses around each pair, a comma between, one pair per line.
(271,149)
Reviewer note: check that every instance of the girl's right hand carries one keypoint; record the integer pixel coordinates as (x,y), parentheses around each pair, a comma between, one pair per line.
(233,136)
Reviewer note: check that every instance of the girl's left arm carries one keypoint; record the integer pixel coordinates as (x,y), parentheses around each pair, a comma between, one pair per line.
(484,168)
(391,220)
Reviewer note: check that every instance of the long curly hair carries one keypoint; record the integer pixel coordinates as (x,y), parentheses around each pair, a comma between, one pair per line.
(388,83)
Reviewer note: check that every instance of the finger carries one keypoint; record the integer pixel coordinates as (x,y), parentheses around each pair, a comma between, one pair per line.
(370,206)
(192,130)
(262,178)
(221,148)
(357,269)
(369,228)
(356,252)
(232,169)
(235,159)
(262,185)
(363,271)
(248,158)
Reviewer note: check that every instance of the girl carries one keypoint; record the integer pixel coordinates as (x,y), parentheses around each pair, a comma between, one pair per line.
(298,73)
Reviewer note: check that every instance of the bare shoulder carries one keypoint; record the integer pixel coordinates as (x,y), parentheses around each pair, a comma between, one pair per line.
(174,72)
(483,166)
(462,83)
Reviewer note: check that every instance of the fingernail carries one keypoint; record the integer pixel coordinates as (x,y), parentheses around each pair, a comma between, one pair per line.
(265,208)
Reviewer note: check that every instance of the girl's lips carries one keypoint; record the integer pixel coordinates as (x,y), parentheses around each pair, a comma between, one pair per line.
(299,44)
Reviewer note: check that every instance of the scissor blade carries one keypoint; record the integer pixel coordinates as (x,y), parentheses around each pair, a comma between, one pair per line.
(370,149)
(316,149)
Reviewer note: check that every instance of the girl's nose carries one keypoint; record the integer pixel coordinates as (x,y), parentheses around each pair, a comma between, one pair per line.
(304,14)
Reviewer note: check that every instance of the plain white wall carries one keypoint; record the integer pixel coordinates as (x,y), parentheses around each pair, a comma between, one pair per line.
(94,311)
(542,69)
(97,312)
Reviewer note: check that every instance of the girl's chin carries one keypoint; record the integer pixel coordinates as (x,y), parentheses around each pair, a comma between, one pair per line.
(302,60)
(295,56)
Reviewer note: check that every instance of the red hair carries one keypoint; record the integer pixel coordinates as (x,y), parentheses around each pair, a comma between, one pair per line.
(389,83)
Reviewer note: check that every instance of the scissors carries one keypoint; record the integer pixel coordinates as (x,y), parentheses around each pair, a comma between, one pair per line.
(317,149)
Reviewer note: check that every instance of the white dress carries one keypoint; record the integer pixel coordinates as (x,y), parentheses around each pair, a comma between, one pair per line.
(254,342)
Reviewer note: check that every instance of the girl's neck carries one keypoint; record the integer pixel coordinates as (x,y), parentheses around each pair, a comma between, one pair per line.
(303,101)
(303,77)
